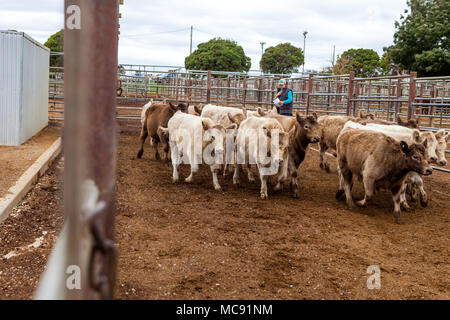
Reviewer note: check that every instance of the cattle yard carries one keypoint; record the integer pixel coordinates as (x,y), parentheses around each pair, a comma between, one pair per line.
(427,99)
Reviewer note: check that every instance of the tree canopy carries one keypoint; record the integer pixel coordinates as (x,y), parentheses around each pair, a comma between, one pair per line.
(421,40)
(56,44)
(283,59)
(364,62)
(218,55)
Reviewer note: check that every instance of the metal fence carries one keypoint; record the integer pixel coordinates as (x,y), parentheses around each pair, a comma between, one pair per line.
(388,97)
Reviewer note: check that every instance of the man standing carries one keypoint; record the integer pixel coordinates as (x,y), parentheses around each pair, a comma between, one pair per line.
(286,98)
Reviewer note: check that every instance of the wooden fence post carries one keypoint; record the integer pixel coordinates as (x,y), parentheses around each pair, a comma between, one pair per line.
(310,88)
(412,95)
(351,87)
(398,96)
(245,90)
(208,88)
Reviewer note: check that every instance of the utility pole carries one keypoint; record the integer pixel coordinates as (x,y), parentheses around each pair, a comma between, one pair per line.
(334,56)
(304,50)
(190,47)
(262,52)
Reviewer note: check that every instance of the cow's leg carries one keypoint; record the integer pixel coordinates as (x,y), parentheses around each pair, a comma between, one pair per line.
(347,185)
(396,199)
(264,194)
(142,137)
(423,194)
(323,157)
(250,176)
(403,203)
(369,189)
(214,169)
(236,179)
(176,160)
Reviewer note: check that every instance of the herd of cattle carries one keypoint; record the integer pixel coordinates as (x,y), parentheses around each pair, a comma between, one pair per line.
(381,154)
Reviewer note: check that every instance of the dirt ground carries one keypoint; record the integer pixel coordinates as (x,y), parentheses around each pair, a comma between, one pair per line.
(188,241)
(14,161)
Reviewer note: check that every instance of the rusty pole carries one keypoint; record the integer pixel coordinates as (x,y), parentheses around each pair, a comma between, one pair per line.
(208,88)
(90,140)
(412,95)
(310,88)
(351,86)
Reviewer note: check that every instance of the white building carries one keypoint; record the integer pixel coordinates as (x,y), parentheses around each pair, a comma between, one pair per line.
(24,76)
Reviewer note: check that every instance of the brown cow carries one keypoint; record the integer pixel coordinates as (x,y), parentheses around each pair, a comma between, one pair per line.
(153,117)
(331,126)
(380,161)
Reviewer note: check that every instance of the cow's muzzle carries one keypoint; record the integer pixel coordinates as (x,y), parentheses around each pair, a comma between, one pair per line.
(315,140)
(428,171)
(443,162)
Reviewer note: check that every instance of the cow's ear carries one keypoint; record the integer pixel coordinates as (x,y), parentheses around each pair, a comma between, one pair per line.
(439,134)
(404,146)
(399,121)
(418,121)
(261,112)
(172,107)
(232,118)
(371,116)
(447,137)
(197,110)
(299,119)
(234,126)
(416,136)
(206,124)
(362,115)
(425,143)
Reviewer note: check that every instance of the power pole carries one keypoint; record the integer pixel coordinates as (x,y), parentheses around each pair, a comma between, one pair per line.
(262,52)
(304,50)
(190,47)
(334,56)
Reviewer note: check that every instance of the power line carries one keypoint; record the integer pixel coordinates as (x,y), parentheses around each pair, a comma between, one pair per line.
(155,33)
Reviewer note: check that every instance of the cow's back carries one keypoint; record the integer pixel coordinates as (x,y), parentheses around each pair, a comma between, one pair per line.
(330,128)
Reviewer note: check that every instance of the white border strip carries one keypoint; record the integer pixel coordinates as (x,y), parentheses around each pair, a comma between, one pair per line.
(26,181)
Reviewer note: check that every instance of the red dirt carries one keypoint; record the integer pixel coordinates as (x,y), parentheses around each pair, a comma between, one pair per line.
(14,161)
(187,241)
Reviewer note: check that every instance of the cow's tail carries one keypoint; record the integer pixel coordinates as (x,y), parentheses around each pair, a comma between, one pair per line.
(144,112)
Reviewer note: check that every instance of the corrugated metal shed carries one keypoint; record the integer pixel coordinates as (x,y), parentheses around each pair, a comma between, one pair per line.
(24,74)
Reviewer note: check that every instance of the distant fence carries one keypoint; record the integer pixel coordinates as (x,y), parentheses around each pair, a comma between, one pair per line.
(387,97)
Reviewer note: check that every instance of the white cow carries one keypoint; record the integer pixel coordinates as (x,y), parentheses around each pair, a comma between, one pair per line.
(225,116)
(188,137)
(254,142)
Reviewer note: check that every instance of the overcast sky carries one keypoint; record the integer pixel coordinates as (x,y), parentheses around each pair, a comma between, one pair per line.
(157,31)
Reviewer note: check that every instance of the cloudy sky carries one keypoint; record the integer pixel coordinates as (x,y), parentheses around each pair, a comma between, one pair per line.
(157,31)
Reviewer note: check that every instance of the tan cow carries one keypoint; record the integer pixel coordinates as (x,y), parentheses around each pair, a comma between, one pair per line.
(380,161)
(251,144)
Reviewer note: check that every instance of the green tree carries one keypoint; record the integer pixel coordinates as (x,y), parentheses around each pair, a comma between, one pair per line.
(283,59)
(421,40)
(365,63)
(387,64)
(56,44)
(218,55)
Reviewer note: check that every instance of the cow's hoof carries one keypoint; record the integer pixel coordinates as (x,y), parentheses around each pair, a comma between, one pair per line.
(157,157)
(296,195)
(264,196)
(175,180)
(278,187)
(218,188)
(399,220)
(404,206)
(236,181)
(140,153)
(361,203)
(424,201)
(189,180)
(339,194)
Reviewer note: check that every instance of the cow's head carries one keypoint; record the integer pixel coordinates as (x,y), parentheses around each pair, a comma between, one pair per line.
(442,138)
(365,115)
(181,107)
(412,123)
(415,157)
(216,135)
(431,146)
(236,118)
(309,128)
(261,112)
(198,109)
(283,144)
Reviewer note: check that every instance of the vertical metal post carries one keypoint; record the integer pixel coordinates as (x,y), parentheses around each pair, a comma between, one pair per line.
(412,95)
(245,91)
(433,101)
(398,96)
(310,89)
(351,86)
(208,88)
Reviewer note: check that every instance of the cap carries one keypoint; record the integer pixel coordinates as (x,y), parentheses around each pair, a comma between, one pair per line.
(281,82)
